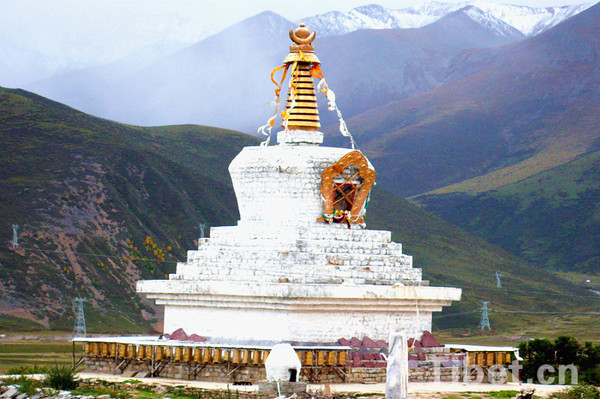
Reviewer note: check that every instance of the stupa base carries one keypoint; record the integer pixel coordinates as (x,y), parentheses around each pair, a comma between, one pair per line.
(295,312)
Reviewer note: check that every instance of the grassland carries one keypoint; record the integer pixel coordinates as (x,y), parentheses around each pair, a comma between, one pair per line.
(551,219)
(19,354)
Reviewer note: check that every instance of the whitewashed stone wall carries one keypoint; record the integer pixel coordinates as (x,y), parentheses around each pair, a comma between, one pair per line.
(281,275)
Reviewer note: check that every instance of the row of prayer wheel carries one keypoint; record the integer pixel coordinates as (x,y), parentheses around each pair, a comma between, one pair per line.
(489,358)
(207,355)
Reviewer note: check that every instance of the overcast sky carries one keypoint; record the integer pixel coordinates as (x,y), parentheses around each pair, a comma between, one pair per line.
(215,14)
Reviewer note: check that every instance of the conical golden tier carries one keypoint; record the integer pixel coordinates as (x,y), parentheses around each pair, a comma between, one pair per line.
(304,115)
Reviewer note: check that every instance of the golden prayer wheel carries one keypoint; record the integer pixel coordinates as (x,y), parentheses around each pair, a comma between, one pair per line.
(94,348)
(178,354)
(320,358)
(331,358)
(86,348)
(187,354)
(472,359)
(130,351)
(226,356)
(122,350)
(207,356)
(257,357)
(104,349)
(217,356)
(480,359)
(237,356)
(245,356)
(309,360)
(198,355)
(112,349)
(141,353)
(341,359)
(149,352)
(168,351)
(159,353)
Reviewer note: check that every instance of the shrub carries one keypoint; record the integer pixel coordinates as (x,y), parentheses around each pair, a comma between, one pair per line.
(61,377)
(592,375)
(577,392)
(24,370)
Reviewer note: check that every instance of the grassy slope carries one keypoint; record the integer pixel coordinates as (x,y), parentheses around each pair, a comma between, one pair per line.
(551,219)
(451,256)
(86,192)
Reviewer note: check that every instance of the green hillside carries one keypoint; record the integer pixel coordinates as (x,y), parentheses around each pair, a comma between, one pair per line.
(102,204)
(531,302)
(551,219)
(86,193)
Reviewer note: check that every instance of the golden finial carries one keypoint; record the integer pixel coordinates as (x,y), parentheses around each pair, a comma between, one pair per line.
(301,103)
(302,35)
(302,49)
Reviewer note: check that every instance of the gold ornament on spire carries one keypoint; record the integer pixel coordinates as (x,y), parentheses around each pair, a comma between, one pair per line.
(301,111)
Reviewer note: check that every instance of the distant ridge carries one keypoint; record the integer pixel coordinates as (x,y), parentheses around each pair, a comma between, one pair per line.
(530,21)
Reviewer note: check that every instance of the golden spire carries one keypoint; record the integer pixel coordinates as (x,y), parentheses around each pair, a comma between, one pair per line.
(301,106)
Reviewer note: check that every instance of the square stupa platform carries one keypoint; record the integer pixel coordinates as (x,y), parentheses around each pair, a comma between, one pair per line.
(280,275)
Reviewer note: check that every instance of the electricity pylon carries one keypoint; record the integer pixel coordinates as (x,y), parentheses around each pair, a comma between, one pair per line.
(15,240)
(79,330)
(484,322)
(498,282)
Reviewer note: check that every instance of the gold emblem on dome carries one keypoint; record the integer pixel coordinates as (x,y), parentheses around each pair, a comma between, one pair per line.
(302,49)
(302,35)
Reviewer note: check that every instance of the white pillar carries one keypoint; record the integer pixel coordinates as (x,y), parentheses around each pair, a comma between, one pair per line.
(396,386)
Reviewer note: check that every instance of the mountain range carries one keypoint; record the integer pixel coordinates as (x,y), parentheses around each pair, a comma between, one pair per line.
(209,82)
(89,83)
(530,21)
(102,204)
(516,117)
(42,41)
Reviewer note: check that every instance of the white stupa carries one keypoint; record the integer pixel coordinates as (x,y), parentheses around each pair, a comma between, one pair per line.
(300,265)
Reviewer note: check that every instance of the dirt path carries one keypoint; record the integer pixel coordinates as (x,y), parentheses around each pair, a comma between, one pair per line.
(423,390)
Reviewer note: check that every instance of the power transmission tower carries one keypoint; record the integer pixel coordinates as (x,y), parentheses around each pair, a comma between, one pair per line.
(498,282)
(15,240)
(484,322)
(79,330)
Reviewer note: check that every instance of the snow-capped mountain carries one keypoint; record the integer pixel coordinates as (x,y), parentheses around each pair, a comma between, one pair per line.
(496,25)
(528,20)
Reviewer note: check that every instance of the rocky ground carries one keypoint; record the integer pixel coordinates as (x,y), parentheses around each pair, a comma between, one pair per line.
(121,388)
